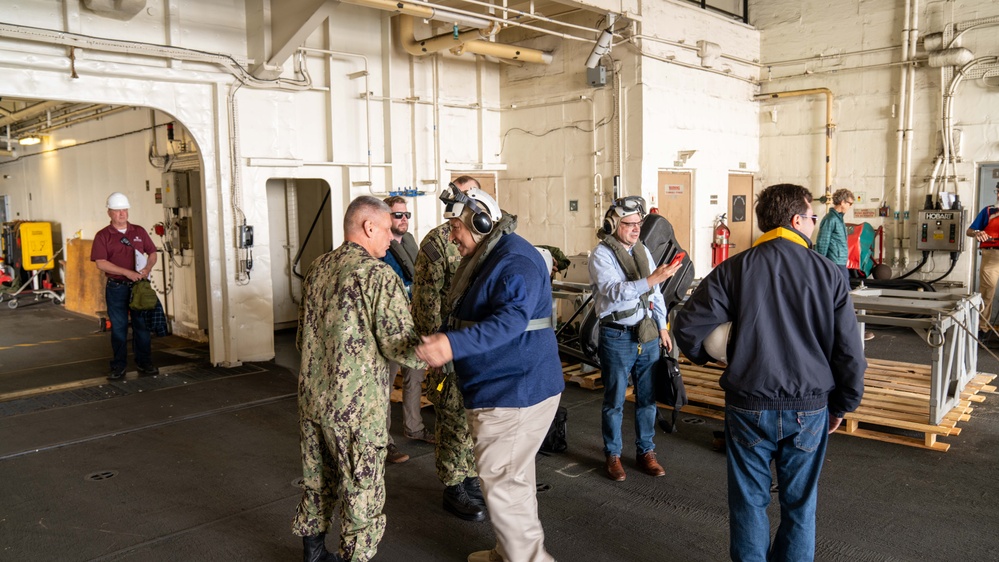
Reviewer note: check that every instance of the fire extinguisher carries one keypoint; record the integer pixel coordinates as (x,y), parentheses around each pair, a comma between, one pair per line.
(720,245)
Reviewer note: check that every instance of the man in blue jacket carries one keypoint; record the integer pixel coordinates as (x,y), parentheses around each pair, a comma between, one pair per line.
(795,367)
(500,337)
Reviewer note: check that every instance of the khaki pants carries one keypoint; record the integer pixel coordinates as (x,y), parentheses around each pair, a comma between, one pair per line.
(988,277)
(505,441)
(412,390)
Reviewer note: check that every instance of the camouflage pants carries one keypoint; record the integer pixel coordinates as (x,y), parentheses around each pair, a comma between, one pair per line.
(339,461)
(455,460)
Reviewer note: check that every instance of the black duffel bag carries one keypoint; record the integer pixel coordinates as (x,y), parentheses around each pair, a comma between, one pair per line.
(555,440)
(669,389)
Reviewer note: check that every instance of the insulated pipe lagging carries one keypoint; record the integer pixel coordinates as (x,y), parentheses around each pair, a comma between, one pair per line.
(469,41)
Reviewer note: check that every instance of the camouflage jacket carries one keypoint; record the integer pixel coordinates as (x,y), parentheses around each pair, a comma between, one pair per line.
(355,318)
(435,266)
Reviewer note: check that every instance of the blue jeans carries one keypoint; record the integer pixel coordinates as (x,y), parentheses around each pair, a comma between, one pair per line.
(118,294)
(619,361)
(797,442)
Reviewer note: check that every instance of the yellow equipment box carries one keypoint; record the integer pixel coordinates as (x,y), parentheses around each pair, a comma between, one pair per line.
(36,246)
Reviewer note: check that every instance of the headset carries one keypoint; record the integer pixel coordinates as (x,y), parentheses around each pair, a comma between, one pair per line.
(621,208)
(456,201)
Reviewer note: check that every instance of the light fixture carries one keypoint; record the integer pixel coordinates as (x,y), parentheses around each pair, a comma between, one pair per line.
(601,48)
(29,140)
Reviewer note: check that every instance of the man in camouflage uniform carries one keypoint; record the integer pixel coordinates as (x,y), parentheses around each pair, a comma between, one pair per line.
(435,266)
(355,319)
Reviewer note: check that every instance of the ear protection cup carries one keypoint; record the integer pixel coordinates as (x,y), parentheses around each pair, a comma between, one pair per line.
(482,223)
(608,227)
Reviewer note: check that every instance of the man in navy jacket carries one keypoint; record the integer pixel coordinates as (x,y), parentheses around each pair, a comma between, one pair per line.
(795,367)
(501,340)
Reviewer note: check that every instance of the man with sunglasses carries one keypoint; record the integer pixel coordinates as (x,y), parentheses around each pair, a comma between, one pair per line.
(795,367)
(436,264)
(632,313)
(401,257)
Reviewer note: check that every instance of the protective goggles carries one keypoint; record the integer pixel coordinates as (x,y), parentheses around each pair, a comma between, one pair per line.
(630,205)
(455,202)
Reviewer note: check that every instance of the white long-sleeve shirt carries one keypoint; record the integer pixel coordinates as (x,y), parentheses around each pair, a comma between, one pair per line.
(612,292)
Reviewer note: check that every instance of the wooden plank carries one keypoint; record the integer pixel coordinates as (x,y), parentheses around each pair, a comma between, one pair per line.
(84,282)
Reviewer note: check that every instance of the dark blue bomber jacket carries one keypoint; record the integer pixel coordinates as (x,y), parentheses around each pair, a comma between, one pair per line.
(498,364)
(795,343)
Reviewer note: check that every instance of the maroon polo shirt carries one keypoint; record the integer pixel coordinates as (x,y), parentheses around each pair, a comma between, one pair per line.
(108,246)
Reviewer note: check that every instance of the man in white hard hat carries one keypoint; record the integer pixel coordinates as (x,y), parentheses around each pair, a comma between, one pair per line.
(499,335)
(116,250)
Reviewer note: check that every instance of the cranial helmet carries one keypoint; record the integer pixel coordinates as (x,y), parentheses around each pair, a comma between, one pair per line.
(623,207)
(484,211)
(117,201)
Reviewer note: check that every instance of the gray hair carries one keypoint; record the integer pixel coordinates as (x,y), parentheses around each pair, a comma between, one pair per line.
(361,209)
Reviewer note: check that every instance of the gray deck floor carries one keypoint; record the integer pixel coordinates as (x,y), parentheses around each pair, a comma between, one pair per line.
(201,464)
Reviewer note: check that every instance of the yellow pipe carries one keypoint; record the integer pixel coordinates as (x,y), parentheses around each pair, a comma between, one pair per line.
(401,7)
(829,125)
(468,41)
(504,51)
(442,42)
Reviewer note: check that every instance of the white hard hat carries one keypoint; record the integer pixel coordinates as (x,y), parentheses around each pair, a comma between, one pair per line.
(117,201)
(484,210)
(716,344)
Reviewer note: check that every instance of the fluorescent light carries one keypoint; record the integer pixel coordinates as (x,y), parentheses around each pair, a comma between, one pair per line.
(29,140)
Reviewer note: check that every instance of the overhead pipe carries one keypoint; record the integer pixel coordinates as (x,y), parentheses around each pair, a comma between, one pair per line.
(829,125)
(28,112)
(422,10)
(469,41)
(504,51)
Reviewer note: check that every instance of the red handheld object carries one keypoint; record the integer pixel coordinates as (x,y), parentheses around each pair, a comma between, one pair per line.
(677,258)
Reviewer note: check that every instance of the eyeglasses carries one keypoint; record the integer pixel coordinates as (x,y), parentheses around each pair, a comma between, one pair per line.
(407,214)
(813,217)
(637,224)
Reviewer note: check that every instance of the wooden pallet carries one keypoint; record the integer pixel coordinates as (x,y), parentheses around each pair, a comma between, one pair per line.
(895,404)
(574,373)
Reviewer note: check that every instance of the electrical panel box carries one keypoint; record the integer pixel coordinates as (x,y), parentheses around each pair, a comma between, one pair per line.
(245,236)
(940,230)
(597,77)
(176,192)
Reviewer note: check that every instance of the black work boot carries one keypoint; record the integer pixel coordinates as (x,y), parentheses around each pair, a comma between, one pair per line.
(458,502)
(471,485)
(315,550)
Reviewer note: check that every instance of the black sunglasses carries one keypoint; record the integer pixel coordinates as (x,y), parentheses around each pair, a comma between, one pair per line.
(407,214)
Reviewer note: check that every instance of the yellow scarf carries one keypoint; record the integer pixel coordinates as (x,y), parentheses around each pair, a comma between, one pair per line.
(781,232)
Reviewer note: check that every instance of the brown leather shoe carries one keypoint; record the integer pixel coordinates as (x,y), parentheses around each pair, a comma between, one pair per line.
(648,464)
(614,469)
